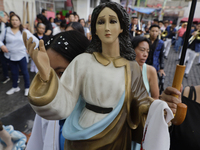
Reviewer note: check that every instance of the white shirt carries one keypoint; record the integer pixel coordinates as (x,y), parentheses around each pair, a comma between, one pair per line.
(15,44)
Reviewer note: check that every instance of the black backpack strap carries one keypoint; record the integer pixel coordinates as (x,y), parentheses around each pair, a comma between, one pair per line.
(192,91)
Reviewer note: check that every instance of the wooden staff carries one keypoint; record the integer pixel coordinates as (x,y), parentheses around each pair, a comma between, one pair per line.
(180,69)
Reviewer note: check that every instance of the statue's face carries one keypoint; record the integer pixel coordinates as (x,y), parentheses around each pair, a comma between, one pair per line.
(108,26)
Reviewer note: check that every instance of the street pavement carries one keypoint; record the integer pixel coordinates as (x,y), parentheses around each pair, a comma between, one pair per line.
(15,110)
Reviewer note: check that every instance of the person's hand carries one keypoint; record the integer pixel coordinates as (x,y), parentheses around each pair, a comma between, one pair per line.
(161,71)
(4,19)
(4,49)
(39,57)
(172,101)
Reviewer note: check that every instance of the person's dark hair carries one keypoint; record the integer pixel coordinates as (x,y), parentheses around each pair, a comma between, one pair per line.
(160,22)
(155,20)
(71,14)
(81,19)
(126,49)
(76,26)
(11,12)
(68,44)
(43,10)
(50,19)
(67,15)
(138,39)
(198,23)
(20,26)
(154,25)
(134,17)
(42,18)
(57,13)
(75,13)
(63,24)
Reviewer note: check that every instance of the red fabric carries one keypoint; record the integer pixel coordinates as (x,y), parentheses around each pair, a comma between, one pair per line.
(181,31)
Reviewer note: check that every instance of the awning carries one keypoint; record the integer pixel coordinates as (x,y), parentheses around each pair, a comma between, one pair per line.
(144,10)
(194,20)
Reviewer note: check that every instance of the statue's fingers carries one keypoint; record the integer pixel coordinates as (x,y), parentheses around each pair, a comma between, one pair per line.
(31,48)
(29,42)
(41,46)
(25,39)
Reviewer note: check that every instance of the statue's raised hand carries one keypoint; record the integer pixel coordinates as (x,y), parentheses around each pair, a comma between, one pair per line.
(39,56)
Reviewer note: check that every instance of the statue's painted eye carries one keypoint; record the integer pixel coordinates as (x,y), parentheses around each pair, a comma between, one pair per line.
(113,21)
(101,21)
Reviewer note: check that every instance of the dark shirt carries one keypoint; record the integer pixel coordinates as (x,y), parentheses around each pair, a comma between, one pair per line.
(170,32)
(187,135)
(45,38)
(153,47)
(49,27)
(151,52)
(57,20)
(192,46)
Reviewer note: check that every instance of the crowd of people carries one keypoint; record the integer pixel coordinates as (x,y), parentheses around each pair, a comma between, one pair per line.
(55,39)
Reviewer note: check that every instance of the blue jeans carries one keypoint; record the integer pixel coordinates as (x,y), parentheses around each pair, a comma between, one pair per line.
(14,66)
(178,43)
(4,63)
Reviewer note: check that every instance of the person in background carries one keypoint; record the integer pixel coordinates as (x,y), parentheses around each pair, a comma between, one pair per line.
(40,36)
(171,31)
(51,20)
(166,24)
(88,22)
(71,18)
(141,46)
(192,51)
(133,26)
(42,19)
(4,61)
(60,28)
(44,12)
(67,18)
(147,27)
(57,20)
(76,17)
(155,21)
(161,25)
(156,55)
(86,30)
(75,26)
(179,39)
(15,51)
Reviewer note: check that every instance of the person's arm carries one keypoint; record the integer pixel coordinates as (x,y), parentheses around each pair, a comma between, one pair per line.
(48,32)
(88,34)
(2,37)
(153,82)
(49,29)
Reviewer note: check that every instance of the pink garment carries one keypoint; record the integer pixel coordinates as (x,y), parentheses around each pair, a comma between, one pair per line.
(181,31)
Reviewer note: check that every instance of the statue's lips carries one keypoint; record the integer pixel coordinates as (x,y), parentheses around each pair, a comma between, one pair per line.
(107,35)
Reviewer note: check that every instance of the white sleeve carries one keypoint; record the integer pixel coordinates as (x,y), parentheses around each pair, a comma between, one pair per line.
(88,31)
(2,35)
(66,97)
(29,34)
